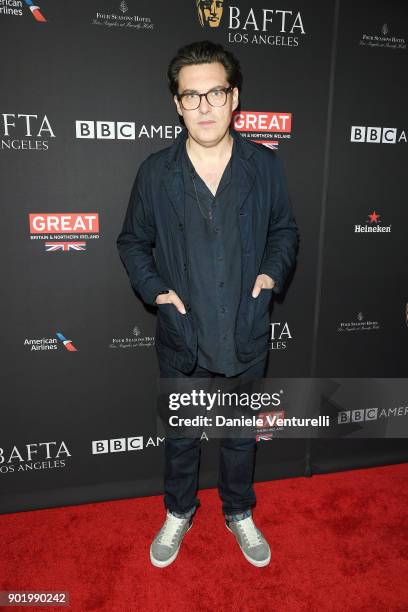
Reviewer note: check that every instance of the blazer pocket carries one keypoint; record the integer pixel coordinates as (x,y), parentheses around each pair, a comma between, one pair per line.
(261,319)
(170,328)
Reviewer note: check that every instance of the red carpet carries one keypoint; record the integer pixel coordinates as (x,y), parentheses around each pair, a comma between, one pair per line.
(338,541)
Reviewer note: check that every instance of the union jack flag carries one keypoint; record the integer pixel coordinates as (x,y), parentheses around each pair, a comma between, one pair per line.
(65,246)
(271,144)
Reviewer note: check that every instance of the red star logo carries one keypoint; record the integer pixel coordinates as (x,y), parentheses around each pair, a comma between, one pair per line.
(373,218)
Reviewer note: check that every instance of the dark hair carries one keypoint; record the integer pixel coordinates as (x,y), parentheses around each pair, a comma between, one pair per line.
(204,52)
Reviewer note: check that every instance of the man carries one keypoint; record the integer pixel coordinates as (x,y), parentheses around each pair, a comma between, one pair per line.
(215,206)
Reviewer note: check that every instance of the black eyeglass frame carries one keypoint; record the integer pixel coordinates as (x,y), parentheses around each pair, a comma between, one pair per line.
(226,90)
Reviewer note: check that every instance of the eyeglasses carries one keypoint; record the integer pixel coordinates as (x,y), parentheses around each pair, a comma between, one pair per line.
(214,97)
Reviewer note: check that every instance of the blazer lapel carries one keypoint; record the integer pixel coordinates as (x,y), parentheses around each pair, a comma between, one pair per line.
(243,173)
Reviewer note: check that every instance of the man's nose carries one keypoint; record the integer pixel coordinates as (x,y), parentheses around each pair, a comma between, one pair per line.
(204,106)
(213,8)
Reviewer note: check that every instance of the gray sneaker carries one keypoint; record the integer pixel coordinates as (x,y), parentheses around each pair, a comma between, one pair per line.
(165,546)
(251,541)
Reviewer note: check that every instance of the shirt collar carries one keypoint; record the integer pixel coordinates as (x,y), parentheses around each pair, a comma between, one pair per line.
(190,170)
(175,151)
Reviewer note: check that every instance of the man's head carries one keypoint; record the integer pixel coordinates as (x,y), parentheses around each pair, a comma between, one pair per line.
(199,68)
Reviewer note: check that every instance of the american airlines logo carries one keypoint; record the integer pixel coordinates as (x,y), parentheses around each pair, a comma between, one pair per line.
(49,344)
(14,8)
(377,135)
(35,10)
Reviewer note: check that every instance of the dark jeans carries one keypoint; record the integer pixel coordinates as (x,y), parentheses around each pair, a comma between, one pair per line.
(237,458)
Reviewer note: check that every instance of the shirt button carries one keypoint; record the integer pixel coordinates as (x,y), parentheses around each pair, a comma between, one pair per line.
(216,230)
(221,284)
(219,258)
(222,308)
(180,226)
(225,337)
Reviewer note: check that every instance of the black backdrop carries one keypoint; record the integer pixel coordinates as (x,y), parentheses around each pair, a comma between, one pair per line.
(317,69)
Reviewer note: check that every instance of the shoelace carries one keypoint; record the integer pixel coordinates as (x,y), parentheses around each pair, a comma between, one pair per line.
(170,529)
(248,529)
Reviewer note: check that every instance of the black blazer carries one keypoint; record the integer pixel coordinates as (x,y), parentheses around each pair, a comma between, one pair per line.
(155,218)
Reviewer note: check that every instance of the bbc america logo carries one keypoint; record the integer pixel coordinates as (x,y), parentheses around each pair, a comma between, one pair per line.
(357,416)
(124,130)
(362,133)
(117,445)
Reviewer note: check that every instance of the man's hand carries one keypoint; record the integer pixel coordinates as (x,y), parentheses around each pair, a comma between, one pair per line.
(263,281)
(171,298)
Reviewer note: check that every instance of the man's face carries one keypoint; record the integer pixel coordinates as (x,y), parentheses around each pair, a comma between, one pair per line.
(206,124)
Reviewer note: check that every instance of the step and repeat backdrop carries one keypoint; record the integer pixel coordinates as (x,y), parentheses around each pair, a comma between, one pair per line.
(84,101)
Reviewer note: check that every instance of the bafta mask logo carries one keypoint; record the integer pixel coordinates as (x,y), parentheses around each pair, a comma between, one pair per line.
(209,12)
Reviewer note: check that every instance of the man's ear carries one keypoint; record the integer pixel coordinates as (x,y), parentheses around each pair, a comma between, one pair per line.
(235,98)
(177,103)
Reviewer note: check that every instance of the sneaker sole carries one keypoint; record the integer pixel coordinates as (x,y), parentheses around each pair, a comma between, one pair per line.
(253,561)
(170,560)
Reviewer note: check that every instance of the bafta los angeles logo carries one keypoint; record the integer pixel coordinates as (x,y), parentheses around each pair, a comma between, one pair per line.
(209,12)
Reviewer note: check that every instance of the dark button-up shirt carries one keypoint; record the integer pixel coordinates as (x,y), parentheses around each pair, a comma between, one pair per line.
(214,267)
